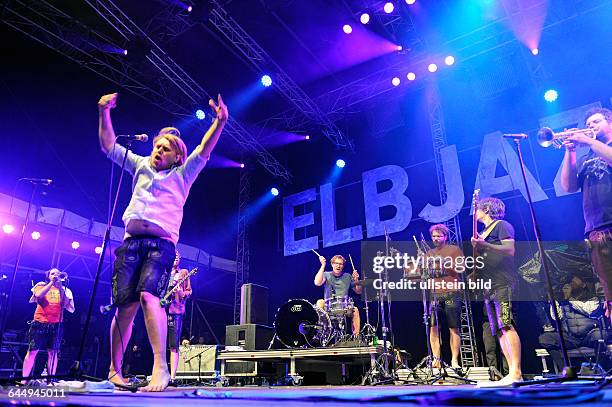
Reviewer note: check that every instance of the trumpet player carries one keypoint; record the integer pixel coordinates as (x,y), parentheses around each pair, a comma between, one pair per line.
(51,298)
(593,174)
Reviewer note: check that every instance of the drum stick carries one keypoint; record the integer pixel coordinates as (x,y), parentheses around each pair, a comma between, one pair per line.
(315,252)
(352,264)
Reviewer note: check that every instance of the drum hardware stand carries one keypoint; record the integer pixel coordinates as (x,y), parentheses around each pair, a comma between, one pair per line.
(381,372)
(429,360)
(368,333)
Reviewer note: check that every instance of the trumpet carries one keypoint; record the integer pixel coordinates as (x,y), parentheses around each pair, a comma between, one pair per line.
(547,137)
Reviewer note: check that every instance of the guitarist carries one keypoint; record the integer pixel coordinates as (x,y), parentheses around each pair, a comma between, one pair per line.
(496,245)
(176,311)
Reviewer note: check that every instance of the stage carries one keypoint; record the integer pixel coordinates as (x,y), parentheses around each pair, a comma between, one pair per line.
(557,394)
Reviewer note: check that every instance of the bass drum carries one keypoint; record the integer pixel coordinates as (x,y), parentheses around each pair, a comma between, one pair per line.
(299,324)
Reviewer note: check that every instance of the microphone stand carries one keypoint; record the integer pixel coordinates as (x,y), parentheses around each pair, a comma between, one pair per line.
(567,374)
(17,261)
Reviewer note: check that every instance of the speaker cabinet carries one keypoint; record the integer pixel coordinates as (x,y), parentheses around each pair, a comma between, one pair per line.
(249,336)
(253,304)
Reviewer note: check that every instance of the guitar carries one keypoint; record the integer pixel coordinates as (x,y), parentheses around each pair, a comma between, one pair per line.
(164,301)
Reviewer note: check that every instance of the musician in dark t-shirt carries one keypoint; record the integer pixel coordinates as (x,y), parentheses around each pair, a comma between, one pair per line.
(593,174)
(496,246)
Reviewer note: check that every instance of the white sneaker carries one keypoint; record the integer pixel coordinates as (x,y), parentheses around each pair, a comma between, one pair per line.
(506,381)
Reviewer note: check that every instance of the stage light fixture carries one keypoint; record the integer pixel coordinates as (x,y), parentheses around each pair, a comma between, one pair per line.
(411,76)
(449,60)
(389,7)
(189,8)
(409,2)
(340,163)
(535,51)
(551,95)
(347,29)
(395,81)
(200,115)
(274,191)
(125,52)
(307,137)
(266,80)
(35,235)
(241,165)
(399,48)
(8,229)
(75,245)
(98,250)
(432,68)
(365,18)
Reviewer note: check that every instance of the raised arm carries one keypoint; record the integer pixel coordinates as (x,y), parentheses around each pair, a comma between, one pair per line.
(209,141)
(106,134)
(319,279)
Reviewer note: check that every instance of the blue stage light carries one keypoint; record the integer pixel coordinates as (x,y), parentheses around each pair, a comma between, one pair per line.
(340,163)
(266,80)
(551,95)
(274,191)
(200,114)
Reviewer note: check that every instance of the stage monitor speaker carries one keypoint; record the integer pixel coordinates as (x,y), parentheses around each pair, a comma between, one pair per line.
(249,336)
(253,304)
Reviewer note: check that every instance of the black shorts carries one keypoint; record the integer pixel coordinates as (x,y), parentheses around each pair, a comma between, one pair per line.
(45,336)
(498,307)
(450,303)
(175,326)
(142,263)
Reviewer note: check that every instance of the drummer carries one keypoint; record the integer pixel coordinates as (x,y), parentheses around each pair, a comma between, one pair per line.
(337,284)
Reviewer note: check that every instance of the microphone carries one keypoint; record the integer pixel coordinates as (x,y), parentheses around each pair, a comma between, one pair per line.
(39,181)
(105,309)
(134,137)
(519,136)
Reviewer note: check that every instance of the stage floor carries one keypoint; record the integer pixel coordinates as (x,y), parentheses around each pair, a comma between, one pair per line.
(465,395)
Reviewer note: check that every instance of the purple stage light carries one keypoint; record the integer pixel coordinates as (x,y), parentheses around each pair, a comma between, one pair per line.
(411,76)
(307,137)
(274,191)
(432,68)
(8,229)
(365,18)
(449,60)
(535,51)
(347,29)
(241,165)
(189,9)
(389,7)
(35,235)
(125,52)
(75,245)
(200,115)
(340,163)
(98,250)
(399,48)
(395,81)
(409,2)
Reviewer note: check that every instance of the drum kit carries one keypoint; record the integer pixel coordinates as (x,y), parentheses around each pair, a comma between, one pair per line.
(300,324)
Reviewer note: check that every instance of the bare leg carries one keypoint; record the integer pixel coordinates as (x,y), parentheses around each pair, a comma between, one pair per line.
(455,344)
(511,347)
(356,322)
(121,331)
(28,363)
(434,340)
(156,322)
(174,359)
(52,356)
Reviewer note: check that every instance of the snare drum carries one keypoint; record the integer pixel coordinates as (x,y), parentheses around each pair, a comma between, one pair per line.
(340,306)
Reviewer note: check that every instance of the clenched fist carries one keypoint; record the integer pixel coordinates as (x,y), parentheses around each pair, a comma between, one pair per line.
(108,101)
(322,260)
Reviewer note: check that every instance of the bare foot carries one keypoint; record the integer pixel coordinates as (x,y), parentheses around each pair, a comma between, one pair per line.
(116,378)
(159,380)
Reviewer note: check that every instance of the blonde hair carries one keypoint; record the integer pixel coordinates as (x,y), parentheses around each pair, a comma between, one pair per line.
(173,135)
(338,256)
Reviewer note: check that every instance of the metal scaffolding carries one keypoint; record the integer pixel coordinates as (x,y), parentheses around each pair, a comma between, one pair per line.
(242,240)
(160,81)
